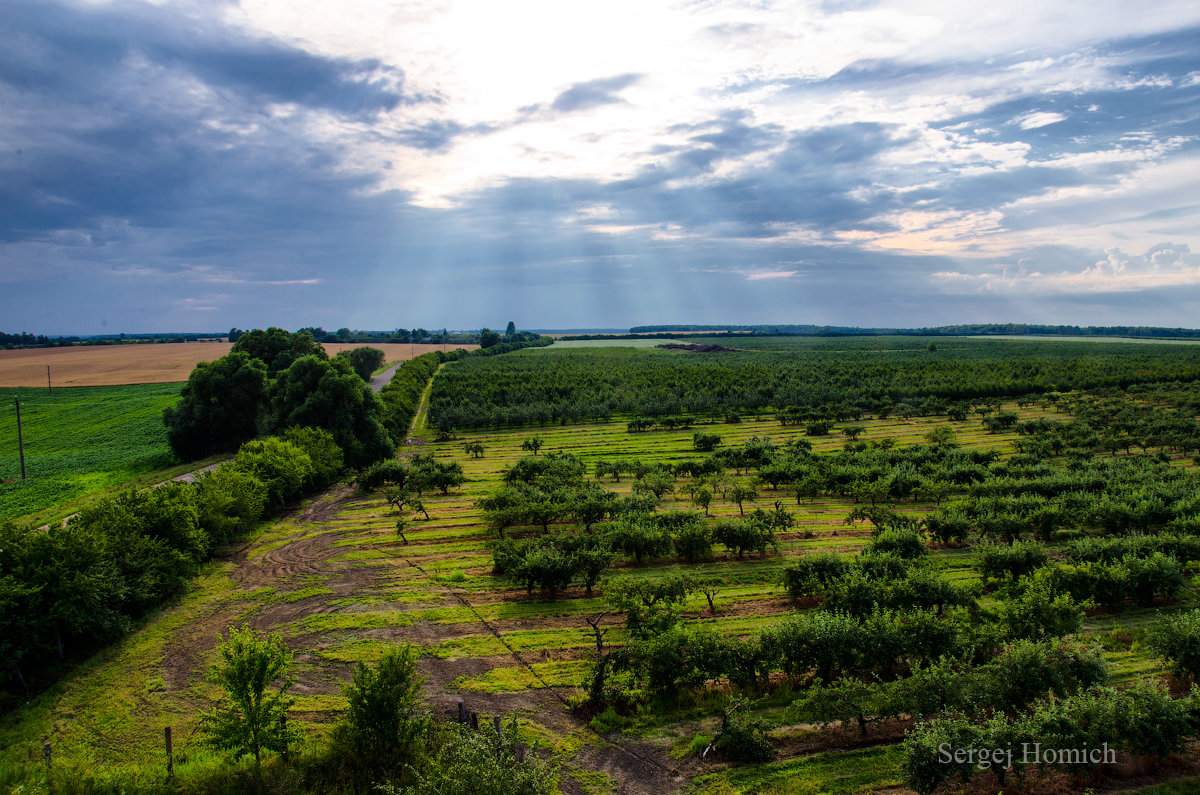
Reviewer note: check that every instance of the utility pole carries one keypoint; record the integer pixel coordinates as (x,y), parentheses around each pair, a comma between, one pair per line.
(20,441)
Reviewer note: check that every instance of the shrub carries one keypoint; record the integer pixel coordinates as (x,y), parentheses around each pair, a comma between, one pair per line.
(326,456)
(1016,560)
(385,721)
(743,738)
(814,574)
(250,716)
(282,467)
(229,500)
(903,543)
(1177,639)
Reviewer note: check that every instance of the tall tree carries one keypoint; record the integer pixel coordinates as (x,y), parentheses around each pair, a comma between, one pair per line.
(324,393)
(277,348)
(218,407)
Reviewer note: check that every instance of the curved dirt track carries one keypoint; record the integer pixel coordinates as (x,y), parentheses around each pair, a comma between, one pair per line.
(308,555)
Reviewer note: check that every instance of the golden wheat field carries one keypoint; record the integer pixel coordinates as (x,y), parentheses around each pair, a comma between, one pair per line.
(112,365)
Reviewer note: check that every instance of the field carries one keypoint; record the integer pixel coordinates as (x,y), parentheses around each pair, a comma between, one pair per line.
(112,365)
(337,582)
(80,441)
(341,587)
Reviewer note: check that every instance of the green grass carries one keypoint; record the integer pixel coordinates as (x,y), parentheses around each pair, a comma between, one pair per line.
(828,773)
(79,441)
(117,705)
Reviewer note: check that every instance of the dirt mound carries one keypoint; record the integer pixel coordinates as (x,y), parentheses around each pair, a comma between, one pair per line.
(700,348)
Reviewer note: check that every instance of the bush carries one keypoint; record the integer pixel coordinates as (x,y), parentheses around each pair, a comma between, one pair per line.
(326,456)
(997,561)
(903,543)
(1039,611)
(467,762)
(1177,639)
(282,467)
(812,575)
(693,542)
(385,721)
(229,500)
(743,738)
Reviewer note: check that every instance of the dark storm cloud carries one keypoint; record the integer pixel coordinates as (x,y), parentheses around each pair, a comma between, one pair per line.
(76,50)
(104,125)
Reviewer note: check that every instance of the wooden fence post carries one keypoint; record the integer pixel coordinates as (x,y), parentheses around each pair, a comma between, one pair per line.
(170,751)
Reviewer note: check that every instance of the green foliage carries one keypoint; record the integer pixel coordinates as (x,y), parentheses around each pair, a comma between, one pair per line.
(277,349)
(751,534)
(705,442)
(282,467)
(219,406)
(551,563)
(651,606)
(1177,640)
(997,561)
(466,762)
(402,394)
(1137,720)
(254,674)
(230,501)
(742,738)
(829,380)
(322,450)
(386,721)
(322,393)
(1039,610)
(814,574)
(363,360)
(900,542)
(384,473)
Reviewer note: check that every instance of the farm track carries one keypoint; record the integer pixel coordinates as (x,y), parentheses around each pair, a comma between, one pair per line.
(637,767)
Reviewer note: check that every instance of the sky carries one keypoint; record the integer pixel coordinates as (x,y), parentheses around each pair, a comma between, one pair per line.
(193,165)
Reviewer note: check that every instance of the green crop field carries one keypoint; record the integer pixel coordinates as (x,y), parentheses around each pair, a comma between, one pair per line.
(79,441)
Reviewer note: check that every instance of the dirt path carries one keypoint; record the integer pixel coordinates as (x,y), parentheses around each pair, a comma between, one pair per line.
(422,411)
(380,381)
(310,585)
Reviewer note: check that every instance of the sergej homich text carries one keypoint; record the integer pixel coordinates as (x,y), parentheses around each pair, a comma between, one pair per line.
(1031,754)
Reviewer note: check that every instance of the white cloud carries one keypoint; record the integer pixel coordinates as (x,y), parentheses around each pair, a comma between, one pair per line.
(1035,119)
(758,275)
(1162,266)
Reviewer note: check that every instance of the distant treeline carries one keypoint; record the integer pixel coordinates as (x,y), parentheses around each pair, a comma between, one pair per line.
(27,340)
(403,335)
(969,329)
